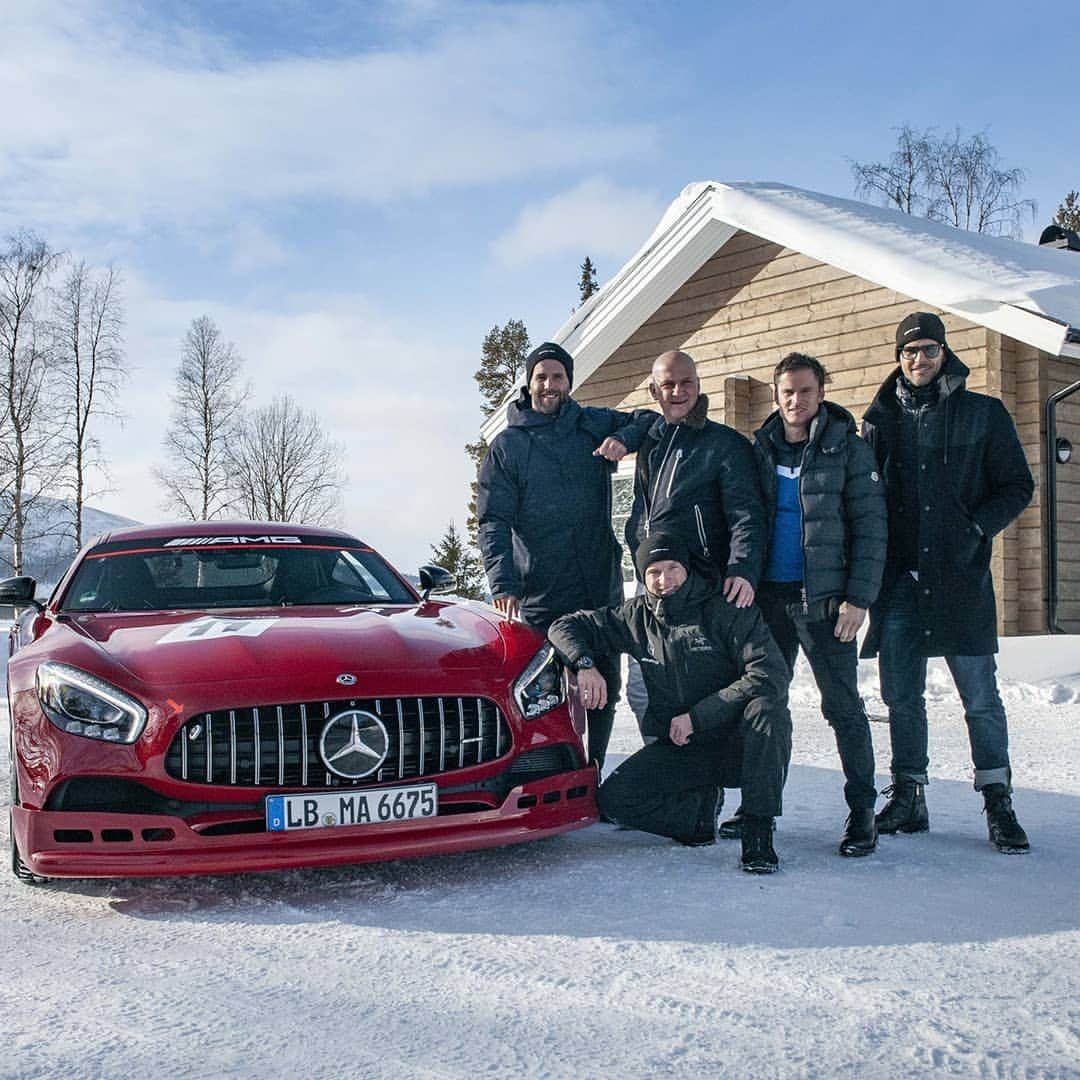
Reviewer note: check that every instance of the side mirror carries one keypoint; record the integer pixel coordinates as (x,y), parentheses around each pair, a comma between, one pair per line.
(436,579)
(19,592)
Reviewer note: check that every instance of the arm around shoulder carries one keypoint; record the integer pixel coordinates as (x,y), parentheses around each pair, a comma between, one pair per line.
(630,428)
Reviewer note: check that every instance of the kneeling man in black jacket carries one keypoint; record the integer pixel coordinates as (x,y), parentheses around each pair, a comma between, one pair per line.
(717,704)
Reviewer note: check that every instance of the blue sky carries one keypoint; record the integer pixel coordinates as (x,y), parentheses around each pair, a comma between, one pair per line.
(357,192)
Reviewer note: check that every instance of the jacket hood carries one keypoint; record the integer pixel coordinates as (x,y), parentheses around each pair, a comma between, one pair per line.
(831,425)
(687,598)
(953,377)
(520,413)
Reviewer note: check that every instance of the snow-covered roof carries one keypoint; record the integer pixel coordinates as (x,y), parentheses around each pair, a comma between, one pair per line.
(1027,292)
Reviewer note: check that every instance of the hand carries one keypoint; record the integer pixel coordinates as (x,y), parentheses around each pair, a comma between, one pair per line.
(592,688)
(848,621)
(682,727)
(738,591)
(611,449)
(508,606)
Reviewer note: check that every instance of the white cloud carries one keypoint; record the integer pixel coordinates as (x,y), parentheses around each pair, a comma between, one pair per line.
(108,123)
(596,217)
(252,247)
(403,407)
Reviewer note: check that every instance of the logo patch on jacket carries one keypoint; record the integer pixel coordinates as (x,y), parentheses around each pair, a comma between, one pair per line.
(699,643)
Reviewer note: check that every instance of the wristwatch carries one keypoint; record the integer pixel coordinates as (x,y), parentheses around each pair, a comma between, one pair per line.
(583,663)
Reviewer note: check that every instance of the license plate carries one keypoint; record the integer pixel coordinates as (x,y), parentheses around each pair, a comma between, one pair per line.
(329,809)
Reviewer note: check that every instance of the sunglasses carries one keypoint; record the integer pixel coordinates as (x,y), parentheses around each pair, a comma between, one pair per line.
(911,352)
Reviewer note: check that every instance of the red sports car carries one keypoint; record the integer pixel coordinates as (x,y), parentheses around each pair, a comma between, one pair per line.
(198,699)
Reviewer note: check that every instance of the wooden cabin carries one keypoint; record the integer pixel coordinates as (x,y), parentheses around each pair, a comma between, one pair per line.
(738,275)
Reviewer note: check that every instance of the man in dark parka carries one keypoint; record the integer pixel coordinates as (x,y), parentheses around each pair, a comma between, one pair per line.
(955,475)
(696,479)
(717,710)
(544,508)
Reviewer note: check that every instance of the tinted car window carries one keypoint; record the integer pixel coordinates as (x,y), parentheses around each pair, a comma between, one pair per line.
(228,578)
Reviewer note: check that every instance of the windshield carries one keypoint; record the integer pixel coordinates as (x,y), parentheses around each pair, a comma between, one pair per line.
(210,577)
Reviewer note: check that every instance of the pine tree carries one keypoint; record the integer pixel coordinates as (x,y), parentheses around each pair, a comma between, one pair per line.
(477,451)
(454,555)
(502,363)
(1068,214)
(587,283)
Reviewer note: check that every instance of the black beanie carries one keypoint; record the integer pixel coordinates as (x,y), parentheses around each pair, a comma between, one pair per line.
(549,351)
(658,548)
(919,325)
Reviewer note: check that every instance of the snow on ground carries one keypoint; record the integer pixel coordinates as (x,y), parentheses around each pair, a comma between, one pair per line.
(603,952)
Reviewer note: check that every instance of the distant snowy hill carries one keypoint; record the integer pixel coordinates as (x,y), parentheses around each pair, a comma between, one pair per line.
(50,544)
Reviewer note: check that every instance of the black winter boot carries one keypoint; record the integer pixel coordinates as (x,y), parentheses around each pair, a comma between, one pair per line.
(731,828)
(906,809)
(758,856)
(1005,832)
(860,833)
(704,832)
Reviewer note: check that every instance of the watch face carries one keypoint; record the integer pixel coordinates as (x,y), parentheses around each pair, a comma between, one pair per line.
(584,662)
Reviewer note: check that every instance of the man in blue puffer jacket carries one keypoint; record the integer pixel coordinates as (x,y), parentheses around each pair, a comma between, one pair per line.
(825,508)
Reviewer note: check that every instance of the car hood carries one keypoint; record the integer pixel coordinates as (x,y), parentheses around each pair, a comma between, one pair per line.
(186,648)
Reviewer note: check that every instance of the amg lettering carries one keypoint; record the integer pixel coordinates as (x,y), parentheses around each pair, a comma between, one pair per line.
(202,541)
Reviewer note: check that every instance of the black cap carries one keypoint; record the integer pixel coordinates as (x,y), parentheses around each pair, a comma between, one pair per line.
(918,326)
(658,548)
(549,351)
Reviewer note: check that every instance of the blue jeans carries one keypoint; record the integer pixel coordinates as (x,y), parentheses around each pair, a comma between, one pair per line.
(902,668)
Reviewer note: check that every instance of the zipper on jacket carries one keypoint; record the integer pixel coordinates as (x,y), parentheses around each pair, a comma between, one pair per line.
(701,530)
(671,476)
(659,477)
(805,605)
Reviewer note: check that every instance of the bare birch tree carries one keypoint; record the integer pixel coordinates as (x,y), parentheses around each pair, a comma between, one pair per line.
(208,404)
(88,322)
(949,178)
(285,468)
(30,458)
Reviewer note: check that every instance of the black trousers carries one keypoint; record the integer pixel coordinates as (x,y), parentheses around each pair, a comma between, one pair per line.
(665,789)
(835,665)
(599,722)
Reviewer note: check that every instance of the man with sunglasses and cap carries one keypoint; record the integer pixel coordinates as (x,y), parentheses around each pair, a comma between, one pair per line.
(955,475)
(544,510)
(717,707)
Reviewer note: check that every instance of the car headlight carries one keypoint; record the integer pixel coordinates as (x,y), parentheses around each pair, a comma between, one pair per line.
(82,704)
(541,686)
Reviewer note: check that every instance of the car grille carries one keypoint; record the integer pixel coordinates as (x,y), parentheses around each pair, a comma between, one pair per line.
(278,745)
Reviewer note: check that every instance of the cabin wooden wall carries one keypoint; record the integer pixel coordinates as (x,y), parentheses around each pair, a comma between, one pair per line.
(1056,374)
(754,301)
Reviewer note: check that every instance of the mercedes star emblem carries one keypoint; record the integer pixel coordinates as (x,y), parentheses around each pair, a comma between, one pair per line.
(354,744)
(346,679)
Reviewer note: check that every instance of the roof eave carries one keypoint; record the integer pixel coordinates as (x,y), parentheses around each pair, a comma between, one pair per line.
(677,249)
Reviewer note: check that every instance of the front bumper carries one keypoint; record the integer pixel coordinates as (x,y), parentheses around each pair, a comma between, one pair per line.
(81,844)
